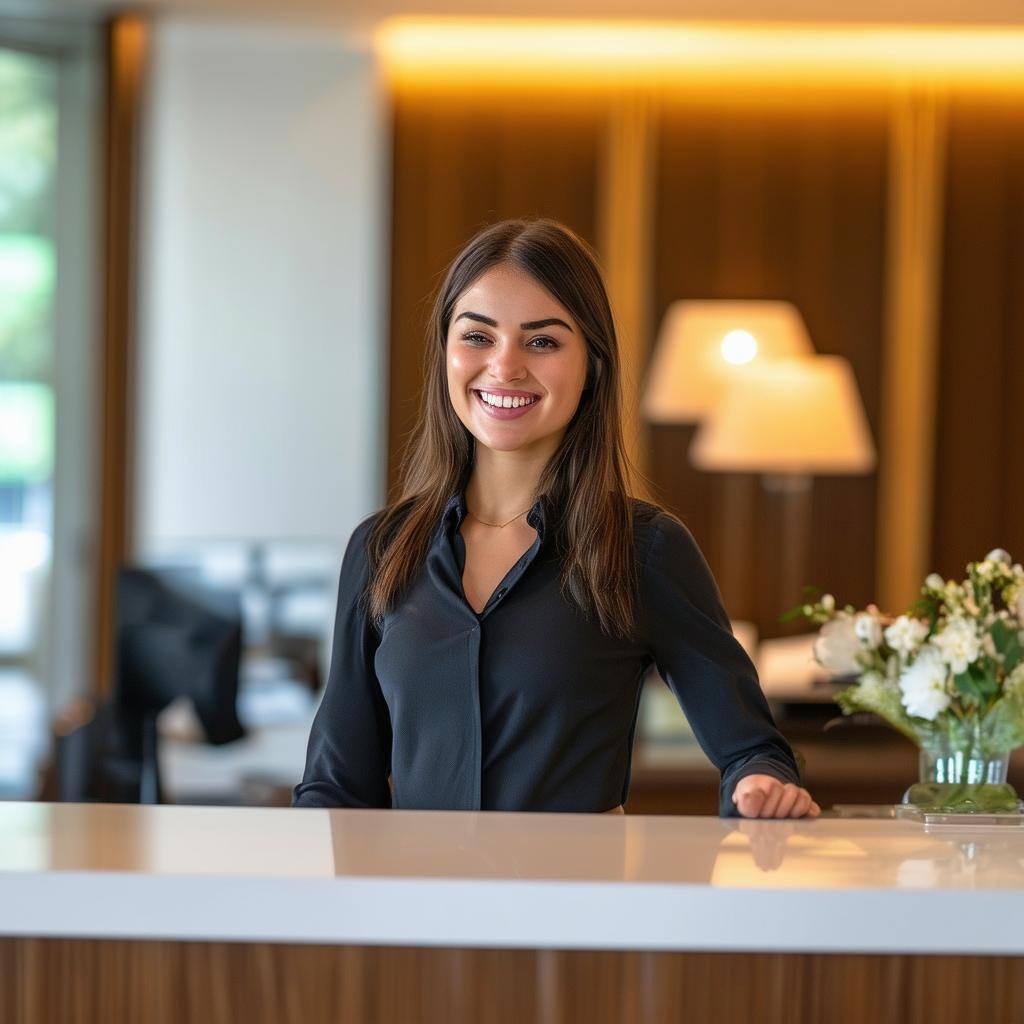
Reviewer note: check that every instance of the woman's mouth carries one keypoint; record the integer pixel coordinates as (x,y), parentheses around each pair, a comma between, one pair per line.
(505,407)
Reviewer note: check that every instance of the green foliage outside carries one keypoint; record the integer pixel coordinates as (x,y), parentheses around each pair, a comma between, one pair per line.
(28,162)
(27,270)
(26,432)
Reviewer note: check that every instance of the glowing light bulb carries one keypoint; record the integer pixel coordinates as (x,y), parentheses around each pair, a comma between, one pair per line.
(739,347)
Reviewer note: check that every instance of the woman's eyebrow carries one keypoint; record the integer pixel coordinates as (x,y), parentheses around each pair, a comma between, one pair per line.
(530,325)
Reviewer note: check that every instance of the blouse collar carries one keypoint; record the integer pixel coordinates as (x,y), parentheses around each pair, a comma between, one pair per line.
(455,508)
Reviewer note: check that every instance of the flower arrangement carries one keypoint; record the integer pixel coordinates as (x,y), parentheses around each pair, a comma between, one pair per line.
(948,674)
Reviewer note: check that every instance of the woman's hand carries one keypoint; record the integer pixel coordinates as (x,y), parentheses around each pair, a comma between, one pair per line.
(763,796)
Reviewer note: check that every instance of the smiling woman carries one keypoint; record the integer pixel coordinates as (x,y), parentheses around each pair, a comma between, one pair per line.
(496,621)
(508,371)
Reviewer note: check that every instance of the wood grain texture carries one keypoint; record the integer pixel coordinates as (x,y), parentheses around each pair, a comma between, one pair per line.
(906,486)
(75,981)
(625,228)
(979,465)
(127,40)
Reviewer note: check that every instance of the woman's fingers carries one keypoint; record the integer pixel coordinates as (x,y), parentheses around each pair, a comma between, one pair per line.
(750,802)
(771,803)
(787,802)
(801,804)
(764,796)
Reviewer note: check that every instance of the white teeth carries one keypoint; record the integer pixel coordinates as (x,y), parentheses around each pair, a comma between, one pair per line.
(505,401)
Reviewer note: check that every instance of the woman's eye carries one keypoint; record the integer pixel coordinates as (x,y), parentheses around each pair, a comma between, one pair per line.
(475,337)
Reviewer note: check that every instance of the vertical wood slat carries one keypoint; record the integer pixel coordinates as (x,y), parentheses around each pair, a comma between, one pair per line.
(625,219)
(910,351)
(127,42)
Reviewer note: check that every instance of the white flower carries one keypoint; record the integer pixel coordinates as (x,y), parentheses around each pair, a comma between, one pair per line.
(923,684)
(1018,605)
(828,602)
(836,645)
(958,643)
(933,581)
(905,634)
(998,555)
(1014,682)
(868,629)
(892,669)
(872,686)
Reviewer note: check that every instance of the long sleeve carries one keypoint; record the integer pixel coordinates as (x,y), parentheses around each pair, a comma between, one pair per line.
(715,682)
(348,758)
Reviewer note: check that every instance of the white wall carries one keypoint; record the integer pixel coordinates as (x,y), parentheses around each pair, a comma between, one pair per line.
(260,374)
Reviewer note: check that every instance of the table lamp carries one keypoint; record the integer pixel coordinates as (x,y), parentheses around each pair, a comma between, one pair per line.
(702,344)
(788,420)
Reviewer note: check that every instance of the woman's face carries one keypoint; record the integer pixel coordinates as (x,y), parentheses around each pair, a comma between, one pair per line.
(511,344)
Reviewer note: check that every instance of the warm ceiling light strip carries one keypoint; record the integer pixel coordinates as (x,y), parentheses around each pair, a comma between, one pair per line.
(458,49)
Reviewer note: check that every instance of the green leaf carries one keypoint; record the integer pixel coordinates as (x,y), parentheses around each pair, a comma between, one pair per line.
(1007,643)
(984,678)
(1004,725)
(884,703)
(967,685)
(793,613)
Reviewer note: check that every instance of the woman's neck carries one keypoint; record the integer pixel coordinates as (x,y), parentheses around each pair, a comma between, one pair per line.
(503,484)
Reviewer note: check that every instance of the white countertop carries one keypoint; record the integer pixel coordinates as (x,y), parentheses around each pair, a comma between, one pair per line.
(439,878)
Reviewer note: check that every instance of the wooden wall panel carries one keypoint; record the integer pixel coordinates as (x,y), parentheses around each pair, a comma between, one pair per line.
(763,200)
(979,451)
(127,41)
(463,162)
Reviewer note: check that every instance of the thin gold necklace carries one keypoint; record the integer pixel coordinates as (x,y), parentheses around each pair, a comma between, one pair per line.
(500,525)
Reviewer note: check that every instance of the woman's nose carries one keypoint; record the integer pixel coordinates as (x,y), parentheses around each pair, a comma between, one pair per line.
(507,362)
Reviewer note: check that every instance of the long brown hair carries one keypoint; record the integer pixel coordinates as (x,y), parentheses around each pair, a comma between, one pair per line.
(586,484)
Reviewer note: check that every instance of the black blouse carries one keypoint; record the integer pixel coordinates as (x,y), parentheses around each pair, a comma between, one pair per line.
(527,706)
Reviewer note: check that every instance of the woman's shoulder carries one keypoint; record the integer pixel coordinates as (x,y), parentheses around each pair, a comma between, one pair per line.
(655,527)
(357,550)
(650,518)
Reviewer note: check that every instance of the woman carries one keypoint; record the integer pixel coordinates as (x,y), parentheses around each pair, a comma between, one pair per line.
(494,623)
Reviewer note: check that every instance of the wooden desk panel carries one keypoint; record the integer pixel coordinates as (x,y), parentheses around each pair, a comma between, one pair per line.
(64,981)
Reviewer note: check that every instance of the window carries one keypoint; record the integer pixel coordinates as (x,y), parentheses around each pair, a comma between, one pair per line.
(49,135)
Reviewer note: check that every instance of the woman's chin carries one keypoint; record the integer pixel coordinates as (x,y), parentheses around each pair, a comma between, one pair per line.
(504,442)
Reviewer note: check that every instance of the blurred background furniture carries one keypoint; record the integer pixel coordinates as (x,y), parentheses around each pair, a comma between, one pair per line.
(170,644)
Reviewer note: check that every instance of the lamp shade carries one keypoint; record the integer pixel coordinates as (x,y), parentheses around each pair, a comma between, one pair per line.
(703,344)
(794,415)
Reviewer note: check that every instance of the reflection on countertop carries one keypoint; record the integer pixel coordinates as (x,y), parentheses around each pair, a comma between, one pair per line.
(304,843)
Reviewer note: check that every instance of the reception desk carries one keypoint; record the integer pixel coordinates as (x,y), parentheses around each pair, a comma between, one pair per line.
(222,914)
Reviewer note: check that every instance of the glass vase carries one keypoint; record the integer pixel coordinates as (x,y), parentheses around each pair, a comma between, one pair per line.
(960,774)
